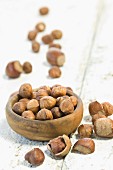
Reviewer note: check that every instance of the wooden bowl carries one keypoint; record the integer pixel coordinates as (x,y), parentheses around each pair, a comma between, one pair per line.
(43,130)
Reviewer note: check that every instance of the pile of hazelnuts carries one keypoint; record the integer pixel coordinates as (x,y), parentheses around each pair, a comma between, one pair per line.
(45,103)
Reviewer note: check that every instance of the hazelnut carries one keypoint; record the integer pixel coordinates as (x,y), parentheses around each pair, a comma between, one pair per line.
(13,69)
(40,27)
(85,146)
(44,10)
(97,116)
(47,39)
(32,35)
(59,146)
(66,106)
(74,100)
(47,102)
(55,57)
(44,114)
(85,130)
(103,127)
(58,91)
(54,72)
(35,46)
(24,100)
(55,45)
(27,67)
(95,107)
(41,93)
(47,88)
(33,105)
(35,156)
(25,90)
(19,107)
(60,99)
(28,114)
(56,112)
(108,108)
(57,34)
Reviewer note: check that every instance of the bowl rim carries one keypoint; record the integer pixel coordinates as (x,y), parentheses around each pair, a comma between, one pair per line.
(14,98)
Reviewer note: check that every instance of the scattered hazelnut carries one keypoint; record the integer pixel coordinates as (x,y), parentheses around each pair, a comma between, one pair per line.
(57,34)
(85,146)
(95,107)
(32,35)
(44,10)
(25,90)
(103,127)
(47,102)
(40,27)
(55,57)
(33,105)
(13,69)
(74,100)
(85,130)
(66,106)
(55,45)
(19,107)
(59,146)
(54,72)
(27,67)
(58,91)
(47,39)
(35,46)
(41,93)
(28,114)
(56,112)
(108,108)
(44,114)
(97,116)
(35,156)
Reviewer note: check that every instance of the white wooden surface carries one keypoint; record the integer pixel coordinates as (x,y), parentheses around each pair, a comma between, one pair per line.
(88,45)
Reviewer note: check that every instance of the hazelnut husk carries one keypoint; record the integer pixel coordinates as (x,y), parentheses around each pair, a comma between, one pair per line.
(44,114)
(85,130)
(55,57)
(59,146)
(54,72)
(35,157)
(84,146)
(44,10)
(47,102)
(13,69)
(25,90)
(27,67)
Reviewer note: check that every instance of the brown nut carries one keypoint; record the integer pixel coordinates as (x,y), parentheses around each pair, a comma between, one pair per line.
(84,146)
(24,100)
(33,105)
(27,67)
(40,27)
(103,127)
(35,156)
(66,106)
(32,35)
(47,102)
(108,108)
(19,107)
(58,91)
(47,39)
(55,45)
(47,88)
(44,10)
(41,93)
(59,146)
(97,116)
(57,34)
(13,69)
(44,114)
(55,57)
(56,112)
(54,72)
(95,107)
(60,99)
(74,100)
(35,46)
(85,130)
(28,114)
(25,90)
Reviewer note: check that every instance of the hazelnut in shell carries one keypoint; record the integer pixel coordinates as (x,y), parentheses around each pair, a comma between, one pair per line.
(25,90)
(44,114)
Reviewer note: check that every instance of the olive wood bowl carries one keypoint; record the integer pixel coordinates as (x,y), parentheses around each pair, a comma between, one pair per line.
(47,129)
